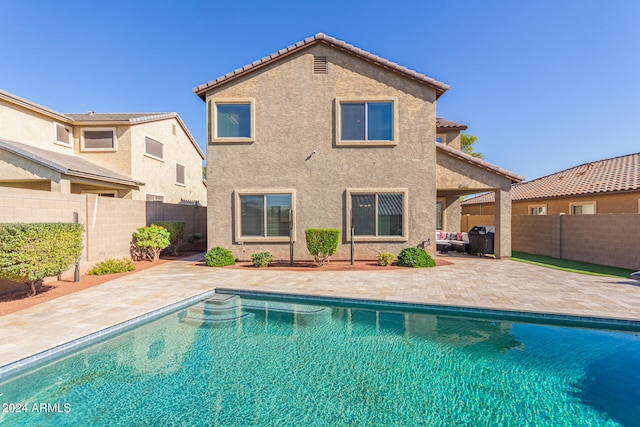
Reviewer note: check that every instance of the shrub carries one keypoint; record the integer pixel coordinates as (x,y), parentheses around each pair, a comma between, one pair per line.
(176,233)
(31,252)
(415,257)
(261,259)
(194,237)
(322,243)
(112,266)
(219,257)
(150,241)
(385,259)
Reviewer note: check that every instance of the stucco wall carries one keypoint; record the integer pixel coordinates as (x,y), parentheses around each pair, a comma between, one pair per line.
(29,127)
(160,175)
(295,114)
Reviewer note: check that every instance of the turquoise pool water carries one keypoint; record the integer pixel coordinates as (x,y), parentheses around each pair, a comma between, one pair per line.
(235,362)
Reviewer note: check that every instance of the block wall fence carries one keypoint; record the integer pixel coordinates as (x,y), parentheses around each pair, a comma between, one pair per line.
(109,222)
(606,239)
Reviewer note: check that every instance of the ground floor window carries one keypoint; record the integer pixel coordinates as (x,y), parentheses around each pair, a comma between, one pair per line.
(583,208)
(377,214)
(537,209)
(264,215)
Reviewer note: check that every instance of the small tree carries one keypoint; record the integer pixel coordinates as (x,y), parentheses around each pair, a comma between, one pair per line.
(466,145)
(31,252)
(322,243)
(151,240)
(176,232)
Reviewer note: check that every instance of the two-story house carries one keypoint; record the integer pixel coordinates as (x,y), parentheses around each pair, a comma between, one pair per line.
(140,156)
(323,134)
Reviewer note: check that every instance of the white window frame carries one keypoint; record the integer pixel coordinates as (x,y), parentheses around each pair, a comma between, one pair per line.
(151,155)
(214,117)
(154,195)
(376,191)
(104,150)
(182,184)
(572,205)
(113,193)
(55,135)
(543,206)
(368,142)
(266,239)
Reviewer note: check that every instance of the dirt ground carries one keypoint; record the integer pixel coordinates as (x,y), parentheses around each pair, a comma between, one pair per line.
(53,289)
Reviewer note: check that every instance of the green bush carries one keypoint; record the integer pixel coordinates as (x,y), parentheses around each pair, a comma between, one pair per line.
(385,259)
(219,257)
(112,266)
(194,237)
(415,257)
(150,241)
(261,259)
(322,243)
(176,232)
(31,252)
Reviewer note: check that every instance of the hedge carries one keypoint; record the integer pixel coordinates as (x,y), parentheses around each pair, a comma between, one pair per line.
(31,252)
(322,243)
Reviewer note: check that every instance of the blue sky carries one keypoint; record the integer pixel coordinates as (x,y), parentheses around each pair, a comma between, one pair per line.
(545,85)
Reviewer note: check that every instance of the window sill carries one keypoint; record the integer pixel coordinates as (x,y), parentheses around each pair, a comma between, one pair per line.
(373,239)
(215,141)
(341,143)
(258,239)
(98,150)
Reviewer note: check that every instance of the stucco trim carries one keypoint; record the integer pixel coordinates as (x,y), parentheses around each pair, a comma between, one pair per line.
(405,214)
(370,142)
(239,239)
(214,120)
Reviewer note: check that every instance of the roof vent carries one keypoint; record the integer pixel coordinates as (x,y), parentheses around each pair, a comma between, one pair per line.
(319,65)
(90,113)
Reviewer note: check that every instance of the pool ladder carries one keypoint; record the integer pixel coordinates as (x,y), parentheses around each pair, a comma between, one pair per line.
(219,310)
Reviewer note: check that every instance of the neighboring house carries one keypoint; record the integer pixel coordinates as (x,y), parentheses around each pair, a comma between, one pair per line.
(323,134)
(604,186)
(140,156)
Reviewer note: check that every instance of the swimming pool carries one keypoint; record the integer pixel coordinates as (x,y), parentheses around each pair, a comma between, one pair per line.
(240,361)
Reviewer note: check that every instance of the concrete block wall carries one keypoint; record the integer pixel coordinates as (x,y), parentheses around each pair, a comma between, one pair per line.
(467,222)
(606,239)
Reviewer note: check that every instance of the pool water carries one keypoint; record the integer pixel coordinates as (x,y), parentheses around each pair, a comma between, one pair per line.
(242,362)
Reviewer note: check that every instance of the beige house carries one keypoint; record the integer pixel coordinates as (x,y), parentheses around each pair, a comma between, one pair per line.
(323,134)
(600,187)
(140,156)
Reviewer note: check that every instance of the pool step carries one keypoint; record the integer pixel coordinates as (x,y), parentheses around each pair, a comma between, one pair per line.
(217,310)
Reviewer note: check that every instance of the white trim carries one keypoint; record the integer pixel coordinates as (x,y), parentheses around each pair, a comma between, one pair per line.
(99,129)
(367,142)
(182,184)
(114,193)
(376,191)
(263,239)
(69,128)
(151,156)
(214,117)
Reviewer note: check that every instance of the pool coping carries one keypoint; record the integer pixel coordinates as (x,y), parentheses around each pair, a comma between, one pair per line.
(628,325)
(43,357)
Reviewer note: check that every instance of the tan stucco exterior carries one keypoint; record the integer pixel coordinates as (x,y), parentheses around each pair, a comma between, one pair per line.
(32,125)
(295,113)
(295,147)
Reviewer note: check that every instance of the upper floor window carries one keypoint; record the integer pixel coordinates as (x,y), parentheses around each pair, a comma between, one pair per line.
(233,121)
(439,139)
(154,198)
(62,134)
(378,214)
(366,121)
(264,215)
(180,174)
(99,140)
(153,148)
(583,208)
(537,209)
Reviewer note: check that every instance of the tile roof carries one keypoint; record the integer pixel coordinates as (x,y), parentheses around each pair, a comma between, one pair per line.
(328,40)
(453,152)
(446,124)
(66,164)
(603,176)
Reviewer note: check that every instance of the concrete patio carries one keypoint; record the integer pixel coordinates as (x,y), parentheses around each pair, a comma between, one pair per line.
(469,282)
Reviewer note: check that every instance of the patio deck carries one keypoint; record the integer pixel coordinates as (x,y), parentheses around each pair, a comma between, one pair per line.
(469,282)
